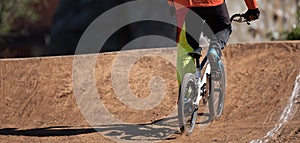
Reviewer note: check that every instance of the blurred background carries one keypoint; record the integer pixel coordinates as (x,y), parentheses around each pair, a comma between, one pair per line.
(279,19)
(30,28)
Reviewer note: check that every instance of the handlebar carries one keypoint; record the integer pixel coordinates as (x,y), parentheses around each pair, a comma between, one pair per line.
(240,18)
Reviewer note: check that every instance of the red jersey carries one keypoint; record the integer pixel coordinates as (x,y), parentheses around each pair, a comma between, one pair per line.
(251,4)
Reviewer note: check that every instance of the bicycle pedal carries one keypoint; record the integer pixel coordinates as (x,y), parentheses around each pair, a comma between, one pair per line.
(196,53)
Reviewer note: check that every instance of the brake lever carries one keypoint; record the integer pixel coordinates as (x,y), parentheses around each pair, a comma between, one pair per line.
(241,19)
(248,22)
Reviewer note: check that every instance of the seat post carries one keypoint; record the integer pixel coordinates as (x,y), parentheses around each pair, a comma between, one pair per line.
(197,55)
(198,63)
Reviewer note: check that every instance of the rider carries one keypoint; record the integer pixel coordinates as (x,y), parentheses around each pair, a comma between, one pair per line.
(215,14)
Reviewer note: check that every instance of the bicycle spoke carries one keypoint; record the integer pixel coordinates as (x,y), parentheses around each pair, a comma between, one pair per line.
(218,90)
(186,109)
(216,96)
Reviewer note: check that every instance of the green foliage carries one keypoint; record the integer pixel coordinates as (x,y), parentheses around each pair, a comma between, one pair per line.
(294,34)
(15,15)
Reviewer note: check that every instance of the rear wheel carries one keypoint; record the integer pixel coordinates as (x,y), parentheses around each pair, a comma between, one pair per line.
(216,95)
(187,112)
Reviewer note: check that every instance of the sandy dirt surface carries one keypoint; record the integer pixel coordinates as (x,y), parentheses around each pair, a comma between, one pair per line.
(41,103)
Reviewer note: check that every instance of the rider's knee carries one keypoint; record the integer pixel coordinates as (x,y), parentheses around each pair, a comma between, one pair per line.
(216,45)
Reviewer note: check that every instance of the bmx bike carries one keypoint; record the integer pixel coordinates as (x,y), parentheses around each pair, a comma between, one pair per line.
(199,86)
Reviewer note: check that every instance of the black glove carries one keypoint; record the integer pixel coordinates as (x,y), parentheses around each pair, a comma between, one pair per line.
(252,14)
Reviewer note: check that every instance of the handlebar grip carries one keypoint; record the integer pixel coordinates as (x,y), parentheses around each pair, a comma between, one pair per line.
(241,18)
(234,16)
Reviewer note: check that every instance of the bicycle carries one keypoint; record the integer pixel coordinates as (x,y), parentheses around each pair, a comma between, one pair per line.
(197,86)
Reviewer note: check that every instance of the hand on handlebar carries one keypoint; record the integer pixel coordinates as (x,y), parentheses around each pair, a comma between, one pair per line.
(239,18)
(252,14)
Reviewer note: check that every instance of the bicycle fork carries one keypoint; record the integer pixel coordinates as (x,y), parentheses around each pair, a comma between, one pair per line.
(200,81)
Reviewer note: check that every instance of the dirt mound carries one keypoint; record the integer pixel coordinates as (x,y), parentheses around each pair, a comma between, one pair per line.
(38,103)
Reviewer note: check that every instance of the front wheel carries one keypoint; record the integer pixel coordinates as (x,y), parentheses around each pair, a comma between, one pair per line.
(216,95)
(187,112)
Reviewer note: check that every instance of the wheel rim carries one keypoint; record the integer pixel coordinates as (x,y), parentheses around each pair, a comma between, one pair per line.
(219,92)
(216,96)
(218,105)
(188,105)
(186,110)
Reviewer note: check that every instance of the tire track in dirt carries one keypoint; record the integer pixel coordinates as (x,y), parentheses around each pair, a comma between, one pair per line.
(287,113)
(260,82)
(32,86)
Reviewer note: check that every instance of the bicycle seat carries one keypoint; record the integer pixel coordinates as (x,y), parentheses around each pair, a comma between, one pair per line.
(196,53)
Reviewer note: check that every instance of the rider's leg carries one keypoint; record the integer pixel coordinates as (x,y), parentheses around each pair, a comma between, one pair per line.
(192,28)
(215,51)
(221,39)
(223,36)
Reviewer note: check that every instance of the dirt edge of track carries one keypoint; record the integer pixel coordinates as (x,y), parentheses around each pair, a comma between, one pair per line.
(38,103)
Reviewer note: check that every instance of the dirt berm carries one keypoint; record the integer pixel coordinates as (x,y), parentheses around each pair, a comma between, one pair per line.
(38,103)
